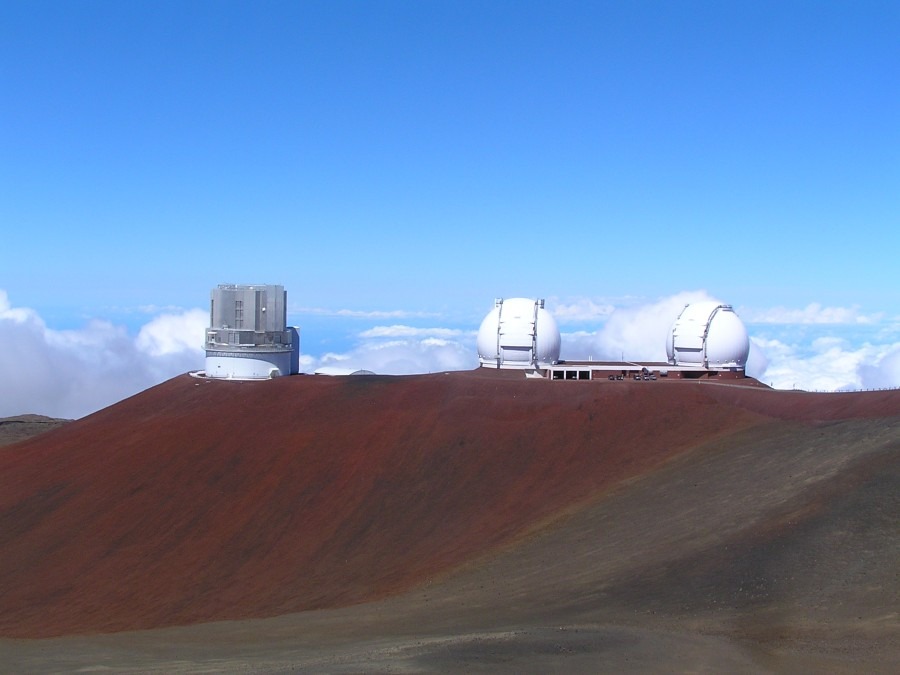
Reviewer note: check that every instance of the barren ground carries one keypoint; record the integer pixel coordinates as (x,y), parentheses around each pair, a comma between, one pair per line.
(456,522)
(20,427)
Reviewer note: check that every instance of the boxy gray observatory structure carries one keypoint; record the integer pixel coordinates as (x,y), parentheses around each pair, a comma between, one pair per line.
(248,337)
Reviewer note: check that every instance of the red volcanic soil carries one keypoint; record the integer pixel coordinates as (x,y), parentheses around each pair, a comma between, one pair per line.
(201,500)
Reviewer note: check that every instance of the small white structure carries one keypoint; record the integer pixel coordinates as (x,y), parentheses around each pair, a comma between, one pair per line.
(247,338)
(518,333)
(708,335)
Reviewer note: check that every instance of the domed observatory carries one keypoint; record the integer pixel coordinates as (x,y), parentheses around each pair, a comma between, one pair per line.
(708,335)
(247,338)
(518,333)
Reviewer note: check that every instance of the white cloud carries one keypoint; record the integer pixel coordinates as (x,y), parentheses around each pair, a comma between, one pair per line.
(410,331)
(10,313)
(173,333)
(403,350)
(581,309)
(824,365)
(159,309)
(757,360)
(636,333)
(885,372)
(70,373)
(829,364)
(813,313)
(362,314)
(403,356)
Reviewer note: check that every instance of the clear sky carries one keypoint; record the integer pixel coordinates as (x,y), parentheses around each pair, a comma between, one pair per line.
(397,165)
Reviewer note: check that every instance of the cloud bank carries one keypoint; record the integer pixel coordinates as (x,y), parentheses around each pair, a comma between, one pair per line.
(813,313)
(636,333)
(829,364)
(401,357)
(410,332)
(71,373)
(362,314)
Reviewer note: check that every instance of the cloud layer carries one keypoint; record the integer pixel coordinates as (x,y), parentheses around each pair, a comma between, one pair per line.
(814,313)
(71,373)
(635,333)
(829,364)
(401,357)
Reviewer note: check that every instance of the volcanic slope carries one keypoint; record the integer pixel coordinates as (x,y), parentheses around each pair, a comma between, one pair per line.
(459,517)
(15,429)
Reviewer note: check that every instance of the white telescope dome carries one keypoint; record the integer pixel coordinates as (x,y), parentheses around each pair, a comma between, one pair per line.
(709,335)
(518,333)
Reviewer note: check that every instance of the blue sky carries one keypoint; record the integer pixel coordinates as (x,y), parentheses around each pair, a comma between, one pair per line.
(403,163)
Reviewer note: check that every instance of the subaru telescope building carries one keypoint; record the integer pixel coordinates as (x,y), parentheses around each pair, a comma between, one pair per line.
(248,338)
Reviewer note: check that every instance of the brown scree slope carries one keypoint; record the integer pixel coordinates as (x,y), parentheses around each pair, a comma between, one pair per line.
(15,429)
(198,501)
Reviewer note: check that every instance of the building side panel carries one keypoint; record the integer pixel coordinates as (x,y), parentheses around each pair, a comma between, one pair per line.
(276,312)
(295,349)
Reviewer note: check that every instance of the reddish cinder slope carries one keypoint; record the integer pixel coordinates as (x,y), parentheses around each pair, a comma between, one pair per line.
(198,500)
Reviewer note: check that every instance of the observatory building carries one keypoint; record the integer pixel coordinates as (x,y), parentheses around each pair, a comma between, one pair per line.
(247,338)
(518,333)
(708,340)
(708,335)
